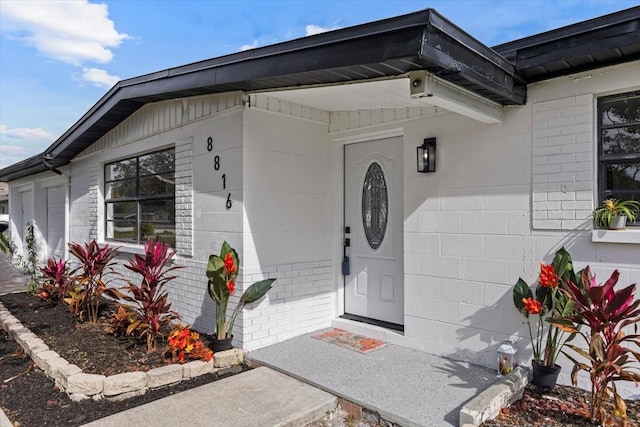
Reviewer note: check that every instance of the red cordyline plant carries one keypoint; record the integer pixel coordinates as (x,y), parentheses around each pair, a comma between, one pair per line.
(548,301)
(56,280)
(150,309)
(609,354)
(89,279)
(222,272)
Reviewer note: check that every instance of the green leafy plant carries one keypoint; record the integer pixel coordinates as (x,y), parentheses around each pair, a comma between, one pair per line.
(222,272)
(611,208)
(609,353)
(55,284)
(151,309)
(6,245)
(185,344)
(547,302)
(89,279)
(31,264)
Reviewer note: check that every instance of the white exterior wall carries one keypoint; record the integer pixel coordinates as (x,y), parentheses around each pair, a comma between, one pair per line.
(504,198)
(290,172)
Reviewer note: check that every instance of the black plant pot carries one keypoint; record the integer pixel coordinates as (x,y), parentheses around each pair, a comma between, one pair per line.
(544,376)
(221,345)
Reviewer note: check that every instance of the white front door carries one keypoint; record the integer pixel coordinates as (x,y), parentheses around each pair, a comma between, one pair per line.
(374,287)
(55,222)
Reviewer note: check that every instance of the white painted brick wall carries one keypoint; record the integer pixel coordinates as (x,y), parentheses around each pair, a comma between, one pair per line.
(562,162)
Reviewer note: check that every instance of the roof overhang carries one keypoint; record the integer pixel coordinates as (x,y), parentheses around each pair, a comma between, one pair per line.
(607,40)
(392,47)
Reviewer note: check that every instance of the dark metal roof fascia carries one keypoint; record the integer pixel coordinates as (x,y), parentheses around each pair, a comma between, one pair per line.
(346,55)
(552,53)
(26,167)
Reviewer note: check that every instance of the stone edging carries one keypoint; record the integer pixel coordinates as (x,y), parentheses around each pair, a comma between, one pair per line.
(79,385)
(487,405)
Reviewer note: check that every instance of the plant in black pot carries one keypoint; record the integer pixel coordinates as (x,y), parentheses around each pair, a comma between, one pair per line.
(222,272)
(547,302)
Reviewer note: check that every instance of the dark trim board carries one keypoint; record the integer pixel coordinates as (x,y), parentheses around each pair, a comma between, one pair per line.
(375,322)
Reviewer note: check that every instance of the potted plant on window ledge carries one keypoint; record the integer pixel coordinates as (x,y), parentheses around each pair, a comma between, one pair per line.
(614,214)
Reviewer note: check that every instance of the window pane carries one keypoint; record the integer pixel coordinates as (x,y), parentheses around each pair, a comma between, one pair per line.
(375,205)
(156,163)
(120,170)
(123,231)
(617,111)
(622,176)
(160,232)
(120,189)
(122,210)
(158,185)
(162,210)
(623,140)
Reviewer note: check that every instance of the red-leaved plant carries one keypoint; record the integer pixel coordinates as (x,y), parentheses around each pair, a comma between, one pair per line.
(185,344)
(150,309)
(89,279)
(56,280)
(609,354)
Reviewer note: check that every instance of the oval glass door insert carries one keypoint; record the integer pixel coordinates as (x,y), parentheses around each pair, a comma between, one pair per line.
(375,205)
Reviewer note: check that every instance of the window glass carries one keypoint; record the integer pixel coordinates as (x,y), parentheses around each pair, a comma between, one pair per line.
(375,205)
(619,147)
(140,198)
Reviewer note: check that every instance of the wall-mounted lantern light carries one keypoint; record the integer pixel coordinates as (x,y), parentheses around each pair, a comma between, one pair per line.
(427,156)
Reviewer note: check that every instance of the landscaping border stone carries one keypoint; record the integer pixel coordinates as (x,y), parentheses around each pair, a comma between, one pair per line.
(487,405)
(81,386)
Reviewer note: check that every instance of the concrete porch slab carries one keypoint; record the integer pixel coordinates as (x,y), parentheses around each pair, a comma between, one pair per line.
(405,386)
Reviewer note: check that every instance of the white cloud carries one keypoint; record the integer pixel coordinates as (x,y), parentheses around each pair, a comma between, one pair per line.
(26,133)
(69,31)
(17,144)
(99,78)
(249,46)
(312,29)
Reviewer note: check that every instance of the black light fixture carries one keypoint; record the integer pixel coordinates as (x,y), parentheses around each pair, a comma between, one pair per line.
(427,156)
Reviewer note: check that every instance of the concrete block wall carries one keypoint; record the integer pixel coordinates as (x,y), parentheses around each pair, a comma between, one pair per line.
(301,300)
(563,154)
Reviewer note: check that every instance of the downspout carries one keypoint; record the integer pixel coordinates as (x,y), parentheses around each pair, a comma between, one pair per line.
(47,165)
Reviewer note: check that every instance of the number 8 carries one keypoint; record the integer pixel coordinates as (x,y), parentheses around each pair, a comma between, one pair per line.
(209,144)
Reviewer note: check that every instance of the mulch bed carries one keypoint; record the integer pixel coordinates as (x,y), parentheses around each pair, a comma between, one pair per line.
(562,407)
(30,398)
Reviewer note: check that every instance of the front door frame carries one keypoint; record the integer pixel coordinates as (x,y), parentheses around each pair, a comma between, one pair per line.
(340,214)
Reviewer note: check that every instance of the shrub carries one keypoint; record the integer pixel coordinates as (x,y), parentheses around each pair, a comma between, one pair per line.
(185,344)
(609,355)
(150,309)
(55,286)
(31,263)
(89,278)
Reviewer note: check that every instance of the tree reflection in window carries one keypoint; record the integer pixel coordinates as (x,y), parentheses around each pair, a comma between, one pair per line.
(140,198)
(375,205)
(619,146)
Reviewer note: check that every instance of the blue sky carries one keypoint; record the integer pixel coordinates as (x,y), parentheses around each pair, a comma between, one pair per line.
(58,58)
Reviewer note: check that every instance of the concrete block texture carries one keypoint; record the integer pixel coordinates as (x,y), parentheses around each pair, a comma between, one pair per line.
(197,368)
(159,377)
(64,372)
(222,359)
(123,383)
(487,405)
(87,384)
(42,359)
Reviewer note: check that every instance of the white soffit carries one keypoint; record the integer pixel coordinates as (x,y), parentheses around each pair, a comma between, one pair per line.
(392,93)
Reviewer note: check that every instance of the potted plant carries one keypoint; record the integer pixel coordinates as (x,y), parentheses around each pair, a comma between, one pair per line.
(222,272)
(614,213)
(548,302)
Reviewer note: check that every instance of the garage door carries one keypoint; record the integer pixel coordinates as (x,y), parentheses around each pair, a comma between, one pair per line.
(55,222)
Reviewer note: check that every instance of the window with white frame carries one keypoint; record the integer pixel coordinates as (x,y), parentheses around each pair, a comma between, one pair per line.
(139,198)
(619,146)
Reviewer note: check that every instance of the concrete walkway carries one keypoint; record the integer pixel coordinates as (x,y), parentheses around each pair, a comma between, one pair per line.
(405,386)
(260,397)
